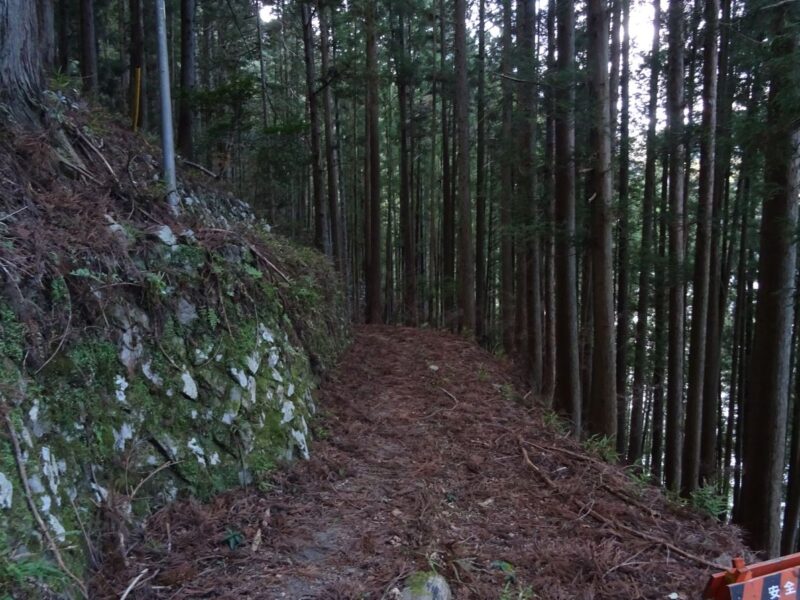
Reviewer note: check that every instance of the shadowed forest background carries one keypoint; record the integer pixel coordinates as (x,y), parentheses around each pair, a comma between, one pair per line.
(618,218)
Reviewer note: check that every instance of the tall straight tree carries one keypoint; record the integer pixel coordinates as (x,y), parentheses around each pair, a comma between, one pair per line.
(262,67)
(480,183)
(695,414)
(372,195)
(675,107)
(188,79)
(548,368)
(602,413)
(623,258)
(531,264)
(63,34)
(331,142)
(767,391)
(88,47)
(660,330)
(466,272)
(507,190)
(313,114)
(137,63)
(448,198)
(567,394)
(407,220)
(646,251)
(791,513)
(717,294)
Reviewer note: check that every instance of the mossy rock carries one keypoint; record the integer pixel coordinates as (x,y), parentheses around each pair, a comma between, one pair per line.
(426,585)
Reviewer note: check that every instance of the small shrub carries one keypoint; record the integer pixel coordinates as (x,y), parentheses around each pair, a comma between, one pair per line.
(638,476)
(602,446)
(552,420)
(516,592)
(707,499)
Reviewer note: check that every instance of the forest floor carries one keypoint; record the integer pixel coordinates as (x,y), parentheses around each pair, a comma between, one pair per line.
(429,456)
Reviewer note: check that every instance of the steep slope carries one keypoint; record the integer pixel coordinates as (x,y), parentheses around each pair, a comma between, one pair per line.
(429,457)
(145,355)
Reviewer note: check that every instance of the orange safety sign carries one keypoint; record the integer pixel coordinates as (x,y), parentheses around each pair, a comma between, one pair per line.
(770,580)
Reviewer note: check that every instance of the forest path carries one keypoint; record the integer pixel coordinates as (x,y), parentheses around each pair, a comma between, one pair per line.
(427,457)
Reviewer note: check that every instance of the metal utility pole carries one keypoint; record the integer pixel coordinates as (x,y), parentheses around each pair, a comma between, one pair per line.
(167,140)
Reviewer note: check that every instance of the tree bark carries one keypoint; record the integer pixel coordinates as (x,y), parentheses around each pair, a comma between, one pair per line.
(480,191)
(696,413)
(448,198)
(136,57)
(718,291)
(331,144)
(372,196)
(313,115)
(660,342)
(602,413)
(47,35)
(623,266)
(388,254)
(767,391)
(88,47)
(548,375)
(635,445)
(186,115)
(63,35)
(530,244)
(466,269)
(407,221)
(507,191)
(21,62)
(737,353)
(567,385)
(791,513)
(675,107)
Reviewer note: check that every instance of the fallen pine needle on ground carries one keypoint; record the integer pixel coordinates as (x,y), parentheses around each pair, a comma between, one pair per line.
(423,468)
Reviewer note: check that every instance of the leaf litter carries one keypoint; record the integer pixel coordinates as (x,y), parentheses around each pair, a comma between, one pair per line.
(430,469)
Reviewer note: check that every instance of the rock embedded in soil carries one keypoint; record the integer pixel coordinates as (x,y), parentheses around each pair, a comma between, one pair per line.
(426,585)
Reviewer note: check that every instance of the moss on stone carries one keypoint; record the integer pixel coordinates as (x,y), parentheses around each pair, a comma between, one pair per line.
(224,396)
(417,581)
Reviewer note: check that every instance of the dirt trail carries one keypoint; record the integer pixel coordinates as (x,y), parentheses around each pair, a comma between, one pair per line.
(427,457)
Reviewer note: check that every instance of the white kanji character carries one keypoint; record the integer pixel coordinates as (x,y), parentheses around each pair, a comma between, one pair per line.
(789,588)
(774,592)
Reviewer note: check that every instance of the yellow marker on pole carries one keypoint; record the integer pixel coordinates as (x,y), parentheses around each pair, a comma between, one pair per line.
(137,94)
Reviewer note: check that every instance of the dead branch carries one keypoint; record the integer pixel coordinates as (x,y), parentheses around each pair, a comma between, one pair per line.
(616,526)
(89,545)
(443,409)
(550,483)
(152,474)
(11,214)
(654,539)
(570,453)
(255,251)
(96,150)
(200,168)
(63,337)
(630,500)
(269,263)
(133,584)
(79,170)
